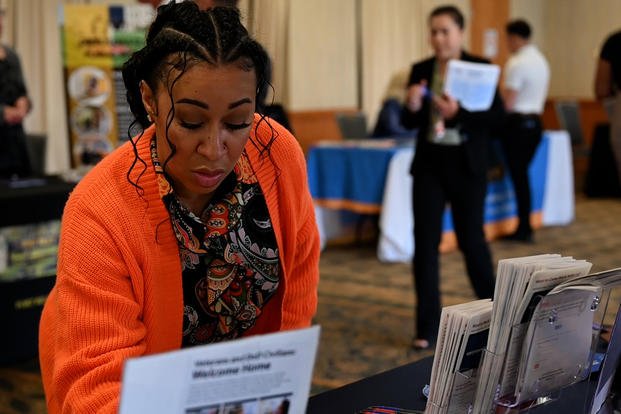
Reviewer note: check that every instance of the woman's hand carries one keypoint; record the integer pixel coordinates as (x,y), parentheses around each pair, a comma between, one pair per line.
(446,106)
(13,115)
(23,106)
(415,95)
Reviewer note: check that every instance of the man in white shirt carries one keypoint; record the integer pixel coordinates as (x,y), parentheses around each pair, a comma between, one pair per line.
(526,80)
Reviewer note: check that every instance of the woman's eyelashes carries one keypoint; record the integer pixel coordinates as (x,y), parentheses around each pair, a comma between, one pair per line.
(235,127)
(190,125)
(230,126)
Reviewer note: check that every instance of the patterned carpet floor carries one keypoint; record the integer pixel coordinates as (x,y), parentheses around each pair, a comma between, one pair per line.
(366,307)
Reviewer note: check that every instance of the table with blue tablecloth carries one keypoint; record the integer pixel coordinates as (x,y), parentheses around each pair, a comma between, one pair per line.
(351,174)
(372,177)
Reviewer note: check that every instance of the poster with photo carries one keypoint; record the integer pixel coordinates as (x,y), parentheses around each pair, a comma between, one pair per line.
(97,40)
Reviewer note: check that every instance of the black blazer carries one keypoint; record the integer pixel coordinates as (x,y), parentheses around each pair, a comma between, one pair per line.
(476,127)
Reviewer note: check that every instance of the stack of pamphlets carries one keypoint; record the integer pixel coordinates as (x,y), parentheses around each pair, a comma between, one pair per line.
(29,251)
(520,285)
(462,337)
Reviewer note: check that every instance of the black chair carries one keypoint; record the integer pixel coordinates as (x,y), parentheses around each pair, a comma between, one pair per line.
(568,113)
(602,178)
(35,144)
(352,125)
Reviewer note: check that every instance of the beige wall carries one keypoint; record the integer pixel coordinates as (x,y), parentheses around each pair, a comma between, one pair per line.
(392,39)
(268,21)
(322,54)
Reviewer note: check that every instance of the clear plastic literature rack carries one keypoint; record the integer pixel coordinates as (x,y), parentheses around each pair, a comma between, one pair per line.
(552,353)
(461,396)
(557,346)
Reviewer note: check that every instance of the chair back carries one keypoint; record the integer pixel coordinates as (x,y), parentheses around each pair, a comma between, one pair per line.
(352,125)
(35,144)
(568,113)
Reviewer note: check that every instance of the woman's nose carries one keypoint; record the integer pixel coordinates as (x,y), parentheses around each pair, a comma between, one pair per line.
(213,145)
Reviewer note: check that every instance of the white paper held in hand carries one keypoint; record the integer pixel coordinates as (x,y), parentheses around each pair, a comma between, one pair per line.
(257,374)
(472,84)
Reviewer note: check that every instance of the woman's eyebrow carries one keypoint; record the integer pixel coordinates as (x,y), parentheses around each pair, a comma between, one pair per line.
(205,106)
(193,102)
(240,102)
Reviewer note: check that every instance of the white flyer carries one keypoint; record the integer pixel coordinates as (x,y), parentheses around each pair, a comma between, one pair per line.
(258,375)
(472,84)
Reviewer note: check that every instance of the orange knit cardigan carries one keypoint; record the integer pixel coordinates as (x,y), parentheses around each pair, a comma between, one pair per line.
(118,291)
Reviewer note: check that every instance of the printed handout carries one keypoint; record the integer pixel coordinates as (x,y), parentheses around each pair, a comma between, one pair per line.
(472,84)
(263,374)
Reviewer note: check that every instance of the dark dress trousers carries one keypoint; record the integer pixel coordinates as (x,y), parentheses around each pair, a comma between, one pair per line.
(520,141)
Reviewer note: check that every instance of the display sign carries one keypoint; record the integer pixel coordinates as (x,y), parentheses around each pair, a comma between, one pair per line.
(97,40)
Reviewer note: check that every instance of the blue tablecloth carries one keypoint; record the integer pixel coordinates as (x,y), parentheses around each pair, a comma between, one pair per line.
(350,175)
(353,178)
(372,177)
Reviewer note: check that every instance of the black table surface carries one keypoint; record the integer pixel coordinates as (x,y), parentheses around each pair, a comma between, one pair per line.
(402,387)
(32,200)
(399,387)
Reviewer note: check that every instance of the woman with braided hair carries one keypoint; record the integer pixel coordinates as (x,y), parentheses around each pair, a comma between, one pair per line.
(200,229)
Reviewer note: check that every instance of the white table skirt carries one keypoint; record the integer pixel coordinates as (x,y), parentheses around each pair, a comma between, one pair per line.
(396,241)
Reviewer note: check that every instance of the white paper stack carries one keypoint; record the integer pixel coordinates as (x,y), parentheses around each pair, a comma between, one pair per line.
(462,337)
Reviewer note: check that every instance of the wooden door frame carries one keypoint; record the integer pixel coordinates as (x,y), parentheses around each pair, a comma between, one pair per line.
(489,15)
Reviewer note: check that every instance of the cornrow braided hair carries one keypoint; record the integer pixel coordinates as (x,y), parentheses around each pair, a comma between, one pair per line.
(182,35)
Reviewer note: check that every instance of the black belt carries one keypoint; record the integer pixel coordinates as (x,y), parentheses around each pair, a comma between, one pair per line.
(526,121)
(525,116)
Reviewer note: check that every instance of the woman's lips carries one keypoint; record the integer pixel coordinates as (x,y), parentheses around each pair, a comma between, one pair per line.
(208,178)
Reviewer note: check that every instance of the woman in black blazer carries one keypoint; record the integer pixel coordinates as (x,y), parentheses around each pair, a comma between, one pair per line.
(450,166)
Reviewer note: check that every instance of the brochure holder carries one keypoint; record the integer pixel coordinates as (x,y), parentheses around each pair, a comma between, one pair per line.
(461,400)
(559,348)
(464,386)
(553,348)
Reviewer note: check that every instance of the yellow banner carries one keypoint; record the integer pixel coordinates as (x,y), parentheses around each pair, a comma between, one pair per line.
(98,39)
(87,40)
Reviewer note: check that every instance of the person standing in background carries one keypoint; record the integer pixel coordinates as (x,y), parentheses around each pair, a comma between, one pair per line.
(526,80)
(14,106)
(608,87)
(450,166)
